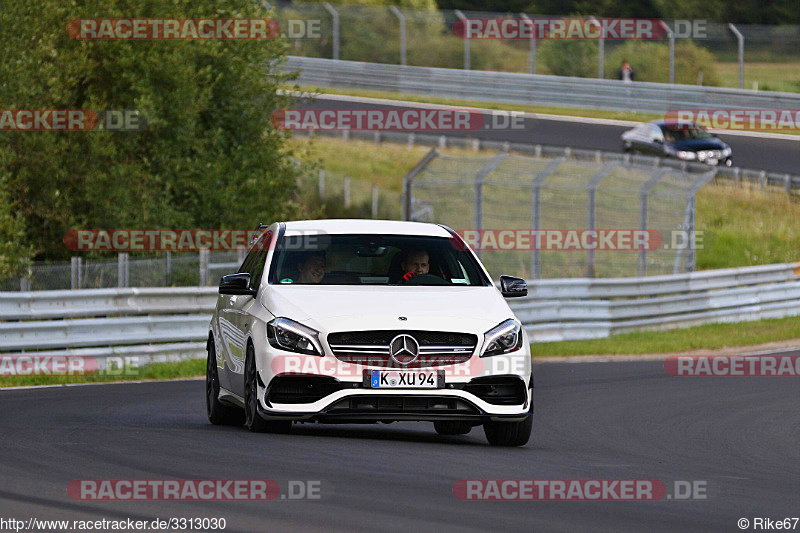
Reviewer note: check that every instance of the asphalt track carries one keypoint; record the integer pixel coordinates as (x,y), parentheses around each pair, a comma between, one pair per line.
(761,153)
(620,420)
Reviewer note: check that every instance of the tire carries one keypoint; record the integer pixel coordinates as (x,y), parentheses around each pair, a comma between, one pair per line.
(218,413)
(253,421)
(452,427)
(509,433)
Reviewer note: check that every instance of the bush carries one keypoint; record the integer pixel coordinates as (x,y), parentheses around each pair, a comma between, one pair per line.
(650,60)
(209,156)
(570,58)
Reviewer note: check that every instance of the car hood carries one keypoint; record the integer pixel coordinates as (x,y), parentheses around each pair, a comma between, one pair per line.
(348,308)
(693,145)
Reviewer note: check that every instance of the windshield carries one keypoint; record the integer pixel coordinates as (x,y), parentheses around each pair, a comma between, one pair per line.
(684,134)
(326,259)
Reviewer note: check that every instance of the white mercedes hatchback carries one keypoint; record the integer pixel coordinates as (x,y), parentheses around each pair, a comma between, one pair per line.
(364,321)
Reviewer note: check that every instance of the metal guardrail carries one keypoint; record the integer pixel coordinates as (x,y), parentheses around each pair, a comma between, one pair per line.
(150,324)
(593,308)
(553,310)
(105,302)
(531,89)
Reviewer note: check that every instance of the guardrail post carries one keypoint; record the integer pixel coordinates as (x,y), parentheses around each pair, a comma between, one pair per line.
(689,224)
(346,191)
(740,43)
(322,184)
(592,207)
(75,273)
(168,268)
(536,186)
(374,201)
(532,52)
(671,36)
(204,268)
(644,192)
(24,284)
(402,19)
(408,181)
(335,18)
(122,269)
(467,32)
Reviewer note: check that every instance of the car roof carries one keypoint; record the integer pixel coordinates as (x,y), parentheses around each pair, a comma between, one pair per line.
(368,227)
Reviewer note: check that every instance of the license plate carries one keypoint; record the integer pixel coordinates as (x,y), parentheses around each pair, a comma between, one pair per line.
(712,161)
(404,379)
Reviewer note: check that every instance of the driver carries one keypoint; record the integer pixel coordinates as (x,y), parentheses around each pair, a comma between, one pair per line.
(311,268)
(416,262)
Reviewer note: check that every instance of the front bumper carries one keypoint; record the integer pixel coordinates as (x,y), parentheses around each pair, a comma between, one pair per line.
(355,403)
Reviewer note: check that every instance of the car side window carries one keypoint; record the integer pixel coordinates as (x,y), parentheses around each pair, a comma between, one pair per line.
(254,262)
(655,132)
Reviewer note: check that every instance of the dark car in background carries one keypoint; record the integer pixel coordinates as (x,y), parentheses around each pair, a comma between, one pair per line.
(692,143)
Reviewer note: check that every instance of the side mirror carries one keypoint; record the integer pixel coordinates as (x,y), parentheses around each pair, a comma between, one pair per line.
(238,283)
(658,140)
(511,287)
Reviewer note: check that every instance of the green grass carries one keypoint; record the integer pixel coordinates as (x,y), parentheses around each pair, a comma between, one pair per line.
(745,226)
(784,77)
(157,371)
(709,336)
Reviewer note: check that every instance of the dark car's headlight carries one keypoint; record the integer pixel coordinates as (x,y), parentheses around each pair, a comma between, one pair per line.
(504,338)
(292,336)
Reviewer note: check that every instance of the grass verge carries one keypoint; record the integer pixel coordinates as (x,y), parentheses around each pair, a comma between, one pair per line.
(783,77)
(156,371)
(708,337)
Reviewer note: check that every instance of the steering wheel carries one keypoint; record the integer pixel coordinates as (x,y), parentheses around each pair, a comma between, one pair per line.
(409,278)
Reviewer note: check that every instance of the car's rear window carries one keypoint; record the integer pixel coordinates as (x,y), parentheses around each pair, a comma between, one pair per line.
(327,259)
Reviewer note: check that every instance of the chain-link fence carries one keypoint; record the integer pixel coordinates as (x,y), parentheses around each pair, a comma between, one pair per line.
(549,217)
(168,269)
(345,197)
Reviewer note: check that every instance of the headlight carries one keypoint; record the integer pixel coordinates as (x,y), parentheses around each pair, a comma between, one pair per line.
(726,152)
(507,337)
(292,336)
(689,156)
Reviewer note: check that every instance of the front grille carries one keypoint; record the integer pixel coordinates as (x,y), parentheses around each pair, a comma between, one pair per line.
(301,389)
(498,390)
(372,348)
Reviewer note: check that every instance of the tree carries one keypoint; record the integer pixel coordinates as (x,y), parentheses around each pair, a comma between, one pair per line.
(209,156)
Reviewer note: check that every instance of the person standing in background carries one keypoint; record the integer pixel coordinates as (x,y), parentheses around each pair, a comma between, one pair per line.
(626,73)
